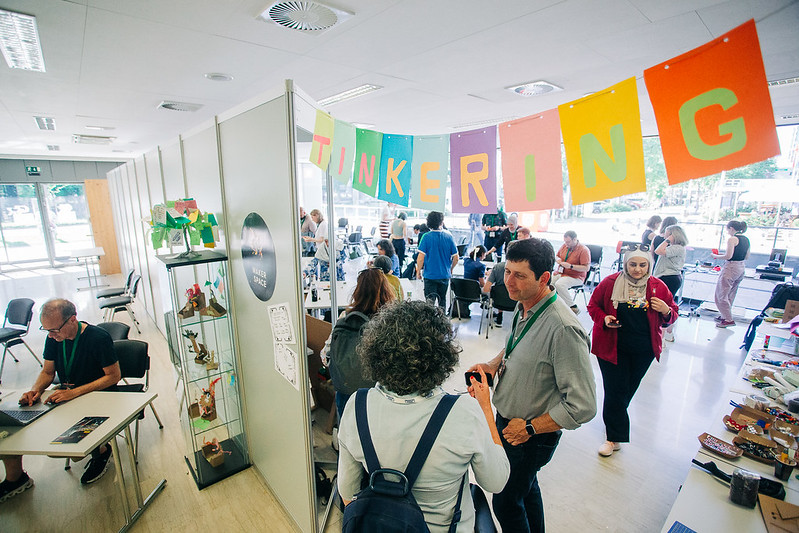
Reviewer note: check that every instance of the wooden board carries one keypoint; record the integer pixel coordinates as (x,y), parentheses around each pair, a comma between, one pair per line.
(102,221)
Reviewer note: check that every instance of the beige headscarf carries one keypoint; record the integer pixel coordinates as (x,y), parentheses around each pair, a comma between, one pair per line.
(627,289)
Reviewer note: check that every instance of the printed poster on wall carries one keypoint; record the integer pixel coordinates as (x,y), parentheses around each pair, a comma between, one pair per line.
(713,107)
(322,137)
(366,169)
(395,169)
(258,256)
(473,170)
(343,151)
(603,143)
(429,172)
(532,177)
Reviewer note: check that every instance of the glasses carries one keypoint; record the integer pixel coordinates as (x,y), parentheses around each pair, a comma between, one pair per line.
(57,329)
(634,247)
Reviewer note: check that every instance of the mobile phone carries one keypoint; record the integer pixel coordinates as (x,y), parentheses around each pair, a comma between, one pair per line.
(614,325)
(476,375)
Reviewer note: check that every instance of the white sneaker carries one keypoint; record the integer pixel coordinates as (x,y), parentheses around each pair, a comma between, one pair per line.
(668,336)
(607,449)
(334,439)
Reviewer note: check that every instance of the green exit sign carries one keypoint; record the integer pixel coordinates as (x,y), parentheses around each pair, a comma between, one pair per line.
(32,171)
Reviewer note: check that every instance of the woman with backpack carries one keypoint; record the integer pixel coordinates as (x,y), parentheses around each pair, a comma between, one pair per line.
(732,273)
(409,348)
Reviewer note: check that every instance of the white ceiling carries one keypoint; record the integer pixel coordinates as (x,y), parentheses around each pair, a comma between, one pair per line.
(443,63)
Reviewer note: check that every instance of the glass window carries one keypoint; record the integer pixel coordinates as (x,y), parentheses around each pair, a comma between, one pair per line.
(22,230)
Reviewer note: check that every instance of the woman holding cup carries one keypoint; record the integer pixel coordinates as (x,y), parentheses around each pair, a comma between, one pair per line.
(628,308)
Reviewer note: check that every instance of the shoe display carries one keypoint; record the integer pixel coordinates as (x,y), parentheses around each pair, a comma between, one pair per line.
(725,323)
(607,449)
(668,336)
(9,489)
(96,467)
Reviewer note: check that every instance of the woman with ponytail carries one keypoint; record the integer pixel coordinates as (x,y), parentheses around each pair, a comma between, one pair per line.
(473,268)
(732,273)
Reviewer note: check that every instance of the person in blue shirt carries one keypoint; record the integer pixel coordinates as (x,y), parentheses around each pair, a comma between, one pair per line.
(473,267)
(438,256)
(384,247)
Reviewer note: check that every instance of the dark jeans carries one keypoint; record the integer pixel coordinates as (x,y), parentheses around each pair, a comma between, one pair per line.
(519,507)
(620,381)
(399,248)
(341,401)
(436,289)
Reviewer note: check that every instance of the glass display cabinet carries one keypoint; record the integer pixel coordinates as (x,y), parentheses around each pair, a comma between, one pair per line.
(200,335)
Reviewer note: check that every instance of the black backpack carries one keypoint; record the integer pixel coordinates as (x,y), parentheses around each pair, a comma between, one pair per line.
(345,365)
(781,294)
(388,506)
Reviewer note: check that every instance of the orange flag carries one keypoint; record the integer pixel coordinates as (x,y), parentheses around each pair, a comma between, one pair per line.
(713,107)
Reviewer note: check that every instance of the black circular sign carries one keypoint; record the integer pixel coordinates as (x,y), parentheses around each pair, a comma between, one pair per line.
(258,256)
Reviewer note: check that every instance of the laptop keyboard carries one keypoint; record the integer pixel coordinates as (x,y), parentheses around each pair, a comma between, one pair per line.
(22,416)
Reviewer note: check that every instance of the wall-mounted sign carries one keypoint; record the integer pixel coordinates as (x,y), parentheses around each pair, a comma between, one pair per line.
(258,256)
(33,171)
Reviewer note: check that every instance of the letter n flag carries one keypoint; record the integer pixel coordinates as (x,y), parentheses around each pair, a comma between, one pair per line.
(713,107)
(366,170)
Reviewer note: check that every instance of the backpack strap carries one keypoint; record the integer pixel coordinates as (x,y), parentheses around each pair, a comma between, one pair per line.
(429,437)
(367,445)
(456,516)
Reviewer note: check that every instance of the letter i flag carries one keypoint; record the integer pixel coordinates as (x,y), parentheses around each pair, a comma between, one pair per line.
(365,171)
(713,107)
(603,143)
(473,170)
(532,176)
(395,169)
(322,139)
(343,152)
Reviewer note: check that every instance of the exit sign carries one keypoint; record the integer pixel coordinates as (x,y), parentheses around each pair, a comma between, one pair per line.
(32,171)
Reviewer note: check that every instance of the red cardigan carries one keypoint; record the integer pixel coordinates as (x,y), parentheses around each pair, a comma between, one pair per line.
(603,339)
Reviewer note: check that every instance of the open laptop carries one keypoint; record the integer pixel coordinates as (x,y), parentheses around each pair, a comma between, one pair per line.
(14,414)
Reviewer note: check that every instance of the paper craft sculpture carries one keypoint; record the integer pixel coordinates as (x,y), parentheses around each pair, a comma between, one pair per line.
(169,220)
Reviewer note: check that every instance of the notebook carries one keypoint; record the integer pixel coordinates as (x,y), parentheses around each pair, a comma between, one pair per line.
(13,414)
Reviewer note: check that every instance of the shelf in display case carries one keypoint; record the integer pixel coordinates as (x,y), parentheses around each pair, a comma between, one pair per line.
(200,319)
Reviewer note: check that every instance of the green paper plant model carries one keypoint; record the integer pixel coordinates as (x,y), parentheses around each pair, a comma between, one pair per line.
(182,217)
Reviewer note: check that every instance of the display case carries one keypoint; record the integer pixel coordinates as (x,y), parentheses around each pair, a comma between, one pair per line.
(203,353)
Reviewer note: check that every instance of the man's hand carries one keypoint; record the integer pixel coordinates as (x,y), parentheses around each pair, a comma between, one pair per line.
(62,395)
(30,397)
(515,432)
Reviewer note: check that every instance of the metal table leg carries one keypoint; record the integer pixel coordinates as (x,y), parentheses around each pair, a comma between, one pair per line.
(123,493)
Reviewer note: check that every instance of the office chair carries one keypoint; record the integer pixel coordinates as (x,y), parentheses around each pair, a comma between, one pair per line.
(500,301)
(118,330)
(16,325)
(117,291)
(596,261)
(462,249)
(110,306)
(466,290)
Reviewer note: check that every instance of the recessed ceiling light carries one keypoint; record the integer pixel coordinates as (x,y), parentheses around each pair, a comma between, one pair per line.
(19,40)
(306,17)
(349,94)
(534,88)
(99,128)
(363,125)
(53,147)
(179,106)
(77,138)
(478,123)
(45,123)
(784,81)
(218,76)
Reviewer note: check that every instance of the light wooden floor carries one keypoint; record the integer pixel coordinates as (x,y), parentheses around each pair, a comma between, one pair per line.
(631,491)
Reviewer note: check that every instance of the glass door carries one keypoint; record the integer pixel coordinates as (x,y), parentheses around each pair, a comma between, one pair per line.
(67,218)
(21,225)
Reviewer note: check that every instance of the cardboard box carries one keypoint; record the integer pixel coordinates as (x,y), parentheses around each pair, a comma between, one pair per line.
(791,310)
(318,332)
(214,458)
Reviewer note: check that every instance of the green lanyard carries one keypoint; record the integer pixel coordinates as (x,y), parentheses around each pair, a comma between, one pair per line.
(568,250)
(68,364)
(511,343)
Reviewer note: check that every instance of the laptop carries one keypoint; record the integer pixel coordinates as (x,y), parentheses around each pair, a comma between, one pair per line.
(13,414)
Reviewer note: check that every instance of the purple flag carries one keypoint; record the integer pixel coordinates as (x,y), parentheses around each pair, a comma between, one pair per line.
(473,170)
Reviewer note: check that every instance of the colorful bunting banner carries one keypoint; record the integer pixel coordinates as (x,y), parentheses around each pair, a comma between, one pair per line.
(473,170)
(343,152)
(603,143)
(395,169)
(532,176)
(322,137)
(429,172)
(365,172)
(713,107)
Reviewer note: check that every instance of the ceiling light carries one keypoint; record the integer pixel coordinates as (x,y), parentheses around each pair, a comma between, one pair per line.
(306,17)
(179,106)
(784,81)
(78,138)
(45,123)
(534,88)
(363,125)
(478,123)
(218,76)
(349,94)
(19,39)
(99,128)
(53,147)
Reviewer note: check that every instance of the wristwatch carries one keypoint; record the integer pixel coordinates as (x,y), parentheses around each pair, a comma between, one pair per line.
(529,427)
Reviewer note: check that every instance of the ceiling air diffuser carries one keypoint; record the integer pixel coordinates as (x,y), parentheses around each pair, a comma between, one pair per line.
(306,17)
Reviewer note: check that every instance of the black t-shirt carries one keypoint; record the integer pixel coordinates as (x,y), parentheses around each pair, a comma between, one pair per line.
(634,331)
(95,351)
(655,243)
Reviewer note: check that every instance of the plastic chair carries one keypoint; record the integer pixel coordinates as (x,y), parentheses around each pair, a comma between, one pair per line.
(466,290)
(118,330)
(117,291)
(16,325)
(110,306)
(500,301)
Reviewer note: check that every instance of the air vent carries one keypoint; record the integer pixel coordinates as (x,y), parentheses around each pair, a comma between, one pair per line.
(53,147)
(45,123)
(790,117)
(534,88)
(91,139)
(306,17)
(179,106)
(218,76)
(784,81)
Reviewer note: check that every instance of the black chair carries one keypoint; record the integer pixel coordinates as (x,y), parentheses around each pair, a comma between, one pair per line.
(110,306)
(343,226)
(117,291)
(16,325)
(461,249)
(500,301)
(468,291)
(596,261)
(134,363)
(118,330)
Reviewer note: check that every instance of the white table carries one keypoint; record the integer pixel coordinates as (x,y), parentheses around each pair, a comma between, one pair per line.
(121,408)
(87,255)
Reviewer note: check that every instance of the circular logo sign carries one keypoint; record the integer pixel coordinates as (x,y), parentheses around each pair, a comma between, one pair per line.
(258,256)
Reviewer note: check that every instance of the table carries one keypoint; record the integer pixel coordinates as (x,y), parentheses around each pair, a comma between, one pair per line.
(86,255)
(121,408)
(778,275)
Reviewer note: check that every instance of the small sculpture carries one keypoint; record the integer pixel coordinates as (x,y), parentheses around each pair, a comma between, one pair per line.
(213,452)
(199,348)
(207,402)
(211,362)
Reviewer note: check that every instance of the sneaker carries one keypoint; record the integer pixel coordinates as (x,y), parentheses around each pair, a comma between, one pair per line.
(725,323)
(575,309)
(334,439)
(96,467)
(9,489)
(607,449)
(668,336)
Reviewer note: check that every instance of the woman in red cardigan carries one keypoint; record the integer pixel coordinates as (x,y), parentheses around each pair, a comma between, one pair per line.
(628,309)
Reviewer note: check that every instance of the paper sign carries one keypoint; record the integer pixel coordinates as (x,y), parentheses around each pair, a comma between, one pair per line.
(157,237)
(322,139)
(280,319)
(286,364)
(395,169)
(159,214)
(181,207)
(532,176)
(343,152)
(366,170)
(429,172)
(194,215)
(176,237)
(473,170)
(171,211)
(211,219)
(194,236)
(713,107)
(603,143)
(207,235)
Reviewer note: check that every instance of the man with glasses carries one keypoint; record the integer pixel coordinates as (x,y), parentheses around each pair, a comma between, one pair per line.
(574,260)
(83,357)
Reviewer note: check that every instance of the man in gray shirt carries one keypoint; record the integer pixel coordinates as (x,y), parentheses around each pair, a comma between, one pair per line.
(544,382)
